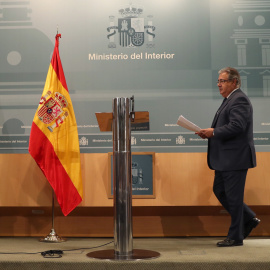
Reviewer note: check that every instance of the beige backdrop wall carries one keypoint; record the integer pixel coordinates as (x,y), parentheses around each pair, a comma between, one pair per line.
(184,203)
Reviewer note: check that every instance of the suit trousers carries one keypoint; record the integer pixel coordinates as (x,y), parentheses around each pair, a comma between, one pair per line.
(229,189)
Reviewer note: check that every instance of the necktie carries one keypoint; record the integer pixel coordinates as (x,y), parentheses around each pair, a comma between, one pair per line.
(216,115)
(221,105)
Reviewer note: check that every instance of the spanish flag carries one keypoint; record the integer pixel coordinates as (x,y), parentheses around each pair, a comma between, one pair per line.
(54,142)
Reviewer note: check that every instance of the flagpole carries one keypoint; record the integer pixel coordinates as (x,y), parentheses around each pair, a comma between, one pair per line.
(44,148)
(52,237)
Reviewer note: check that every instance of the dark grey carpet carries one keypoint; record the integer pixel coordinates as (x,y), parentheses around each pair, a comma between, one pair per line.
(176,253)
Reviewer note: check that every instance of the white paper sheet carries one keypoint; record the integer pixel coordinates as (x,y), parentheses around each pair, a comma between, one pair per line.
(183,122)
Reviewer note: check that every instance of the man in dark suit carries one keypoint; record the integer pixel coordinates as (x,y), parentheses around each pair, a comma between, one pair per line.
(231,153)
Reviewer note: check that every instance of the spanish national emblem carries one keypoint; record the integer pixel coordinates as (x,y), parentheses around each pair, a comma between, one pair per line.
(52,110)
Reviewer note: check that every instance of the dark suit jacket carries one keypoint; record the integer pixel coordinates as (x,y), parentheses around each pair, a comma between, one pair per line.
(232,147)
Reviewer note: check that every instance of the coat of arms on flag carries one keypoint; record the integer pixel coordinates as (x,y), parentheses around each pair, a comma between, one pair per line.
(52,109)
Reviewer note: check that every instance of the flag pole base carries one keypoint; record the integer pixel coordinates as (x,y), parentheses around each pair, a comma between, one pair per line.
(52,237)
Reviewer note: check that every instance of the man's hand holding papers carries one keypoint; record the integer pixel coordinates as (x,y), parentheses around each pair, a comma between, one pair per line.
(203,133)
(183,122)
(206,133)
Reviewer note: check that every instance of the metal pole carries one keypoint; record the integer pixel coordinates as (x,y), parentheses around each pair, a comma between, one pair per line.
(52,210)
(122,188)
(52,237)
(123,240)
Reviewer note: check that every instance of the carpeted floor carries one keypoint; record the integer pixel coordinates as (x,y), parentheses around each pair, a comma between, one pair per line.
(175,253)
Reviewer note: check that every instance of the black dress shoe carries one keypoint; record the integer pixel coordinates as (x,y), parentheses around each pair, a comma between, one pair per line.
(229,243)
(253,223)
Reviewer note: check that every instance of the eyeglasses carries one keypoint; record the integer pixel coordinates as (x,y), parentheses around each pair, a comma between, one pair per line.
(222,81)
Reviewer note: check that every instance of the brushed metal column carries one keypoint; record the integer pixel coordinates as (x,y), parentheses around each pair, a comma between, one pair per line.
(122,186)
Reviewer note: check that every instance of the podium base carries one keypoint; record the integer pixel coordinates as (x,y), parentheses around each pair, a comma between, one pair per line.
(137,254)
(52,237)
